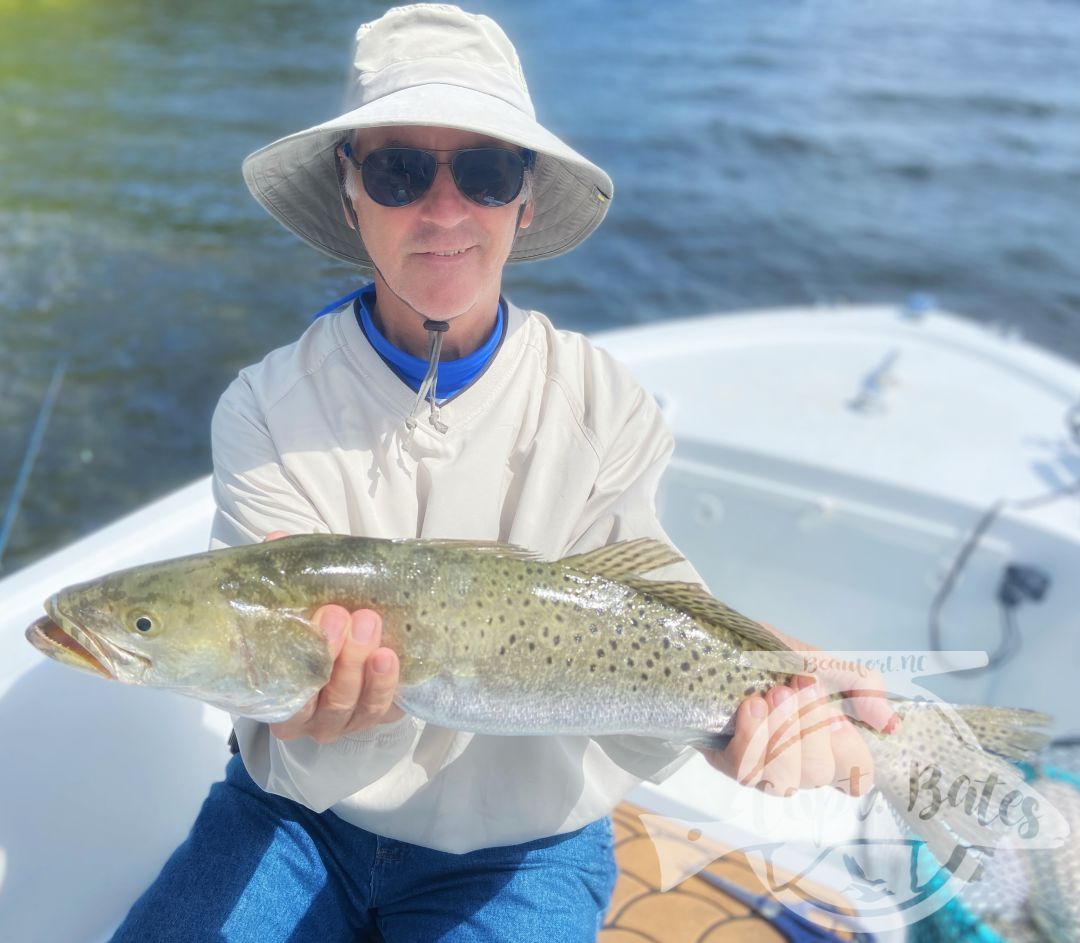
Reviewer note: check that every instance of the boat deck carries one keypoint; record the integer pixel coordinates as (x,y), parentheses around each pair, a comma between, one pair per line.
(696,911)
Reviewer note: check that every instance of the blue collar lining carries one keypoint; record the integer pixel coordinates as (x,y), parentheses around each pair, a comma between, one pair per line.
(454,375)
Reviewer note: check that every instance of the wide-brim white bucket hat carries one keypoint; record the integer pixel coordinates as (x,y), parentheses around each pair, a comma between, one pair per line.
(434,65)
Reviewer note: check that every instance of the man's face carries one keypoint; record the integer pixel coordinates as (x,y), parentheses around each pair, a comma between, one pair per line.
(443,254)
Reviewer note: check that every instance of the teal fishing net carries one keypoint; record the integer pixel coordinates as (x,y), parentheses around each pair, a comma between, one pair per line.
(1023,896)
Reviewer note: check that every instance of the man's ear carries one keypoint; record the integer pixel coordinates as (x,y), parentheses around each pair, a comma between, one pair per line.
(346,204)
(525,215)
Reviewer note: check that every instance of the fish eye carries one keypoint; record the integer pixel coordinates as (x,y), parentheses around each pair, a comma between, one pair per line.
(140,621)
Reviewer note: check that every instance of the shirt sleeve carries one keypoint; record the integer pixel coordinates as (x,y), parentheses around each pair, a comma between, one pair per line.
(255,495)
(622,506)
(252,490)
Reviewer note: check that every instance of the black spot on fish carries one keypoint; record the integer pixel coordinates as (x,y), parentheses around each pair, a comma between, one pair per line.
(613,644)
(748,691)
(707,649)
(667,672)
(599,653)
(695,655)
(641,613)
(629,663)
(545,631)
(685,666)
(644,676)
(555,639)
(532,646)
(502,618)
(712,672)
(521,622)
(481,633)
(593,628)
(525,602)
(665,642)
(549,659)
(691,689)
(592,667)
(569,661)
(577,638)
(502,649)
(612,669)
(727,677)
(558,617)
(408,626)
(513,638)
(633,622)
(442,605)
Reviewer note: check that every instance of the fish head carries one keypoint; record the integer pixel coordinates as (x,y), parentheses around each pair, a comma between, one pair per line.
(155,624)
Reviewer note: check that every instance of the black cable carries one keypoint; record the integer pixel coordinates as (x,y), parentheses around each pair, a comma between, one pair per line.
(1010,635)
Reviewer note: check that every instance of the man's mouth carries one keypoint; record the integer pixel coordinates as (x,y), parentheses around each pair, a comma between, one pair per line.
(446,253)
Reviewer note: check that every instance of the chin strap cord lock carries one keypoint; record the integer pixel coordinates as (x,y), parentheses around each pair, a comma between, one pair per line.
(435,330)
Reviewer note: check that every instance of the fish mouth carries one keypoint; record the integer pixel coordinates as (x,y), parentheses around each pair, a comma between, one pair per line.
(49,639)
(61,639)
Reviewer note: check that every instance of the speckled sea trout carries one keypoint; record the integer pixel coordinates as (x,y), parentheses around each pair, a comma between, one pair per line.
(490,640)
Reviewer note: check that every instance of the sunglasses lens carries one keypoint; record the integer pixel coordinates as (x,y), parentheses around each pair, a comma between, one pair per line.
(398,176)
(490,176)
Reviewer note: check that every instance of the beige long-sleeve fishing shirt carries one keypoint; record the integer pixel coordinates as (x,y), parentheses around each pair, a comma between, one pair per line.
(554,447)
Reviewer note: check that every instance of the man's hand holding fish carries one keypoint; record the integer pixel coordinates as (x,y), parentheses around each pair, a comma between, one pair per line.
(364,679)
(795,736)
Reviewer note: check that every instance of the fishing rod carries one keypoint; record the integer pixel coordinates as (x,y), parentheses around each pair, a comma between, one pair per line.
(33,446)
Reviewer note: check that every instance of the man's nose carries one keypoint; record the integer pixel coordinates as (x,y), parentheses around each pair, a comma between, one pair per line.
(444,202)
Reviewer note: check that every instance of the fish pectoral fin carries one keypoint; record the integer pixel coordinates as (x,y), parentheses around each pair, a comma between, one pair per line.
(415,670)
(708,611)
(624,559)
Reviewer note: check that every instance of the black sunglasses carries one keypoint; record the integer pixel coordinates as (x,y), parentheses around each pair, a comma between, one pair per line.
(398,176)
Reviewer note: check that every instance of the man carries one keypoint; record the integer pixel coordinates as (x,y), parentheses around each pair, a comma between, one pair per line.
(352,814)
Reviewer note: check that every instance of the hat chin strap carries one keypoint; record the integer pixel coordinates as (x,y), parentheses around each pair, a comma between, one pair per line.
(435,328)
(435,331)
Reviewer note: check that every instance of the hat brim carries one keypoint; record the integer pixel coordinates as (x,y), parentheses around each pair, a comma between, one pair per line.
(295,178)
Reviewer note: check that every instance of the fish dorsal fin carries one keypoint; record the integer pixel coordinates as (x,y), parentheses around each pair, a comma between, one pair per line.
(708,611)
(624,559)
(490,547)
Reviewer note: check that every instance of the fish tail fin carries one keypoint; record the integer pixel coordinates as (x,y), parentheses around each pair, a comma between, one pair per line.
(947,774)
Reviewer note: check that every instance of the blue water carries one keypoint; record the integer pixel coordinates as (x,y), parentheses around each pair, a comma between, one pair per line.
(763,153)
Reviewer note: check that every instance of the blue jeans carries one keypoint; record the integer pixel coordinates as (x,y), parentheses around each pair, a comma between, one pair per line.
(258,868)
